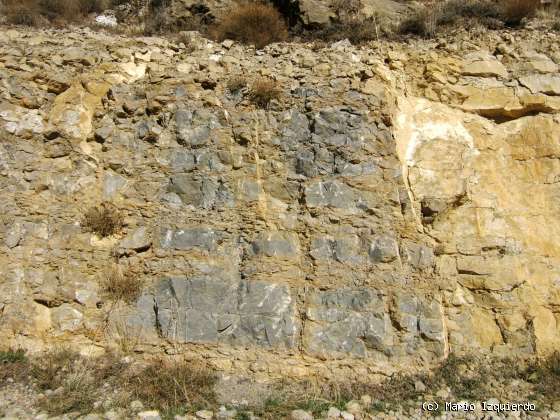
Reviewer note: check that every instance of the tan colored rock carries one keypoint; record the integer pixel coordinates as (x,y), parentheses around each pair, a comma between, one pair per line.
(487,206)
(483,66)
(315,12)
(542,83)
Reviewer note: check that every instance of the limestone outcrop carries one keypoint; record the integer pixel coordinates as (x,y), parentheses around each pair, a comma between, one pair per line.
(395,204)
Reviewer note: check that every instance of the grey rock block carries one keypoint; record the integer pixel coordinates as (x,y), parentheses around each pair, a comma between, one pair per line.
(199,237)
(14,235)
(384,249)
(431,321)
(148,130)
(194,127)
(200,192)
(276,244)
(419,256)
(181,160)
(329,194)
(112,184)
(209,310)
(137,240)
(347,321)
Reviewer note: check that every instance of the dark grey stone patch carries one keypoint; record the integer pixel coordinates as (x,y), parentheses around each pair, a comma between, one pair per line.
(276,244)
(384,249)
(199,191)
(203,238)
(347,321)
(330,194)
(194,127)
(218,310)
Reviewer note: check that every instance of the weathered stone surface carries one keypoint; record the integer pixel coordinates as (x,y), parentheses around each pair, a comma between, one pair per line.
(541,83)
(200,191)
(219,310)
(202,238)
(276,244)
(66,318)
(485,66)
(483,215)
(329,194)
(347,321)
(137,240)
(384,249)
(397,204)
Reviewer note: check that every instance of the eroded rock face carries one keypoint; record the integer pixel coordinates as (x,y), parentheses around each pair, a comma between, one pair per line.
(495,199)
(390,209)
(214,310)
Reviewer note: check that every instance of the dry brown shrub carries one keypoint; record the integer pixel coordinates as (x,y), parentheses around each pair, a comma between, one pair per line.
(514,11)
(423,22)
(104,220)
(259,24)
(121,283)
(263,91)
(24,12)
(36,12)
(236,84)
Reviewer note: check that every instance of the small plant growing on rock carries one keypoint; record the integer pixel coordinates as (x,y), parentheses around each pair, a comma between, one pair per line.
(103,220)
(12,356)
(259,24)
(236,83)
(120,284)
(263,91)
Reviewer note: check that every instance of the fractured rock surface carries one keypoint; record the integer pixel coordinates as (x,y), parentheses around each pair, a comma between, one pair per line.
(390,208)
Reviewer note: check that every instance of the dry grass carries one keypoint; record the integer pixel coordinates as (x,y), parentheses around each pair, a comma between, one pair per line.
(124,336)
(263,91)
(423,22)
(12,363)
(236,83)
(428,21)
(37,12)
(168,385)
(103,220)
(472,378)
(177,386)
(357,31)
(121,284)
(75,383)
(257,24)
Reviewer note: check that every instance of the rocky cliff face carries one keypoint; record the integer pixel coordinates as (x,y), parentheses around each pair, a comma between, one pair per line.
(396,204)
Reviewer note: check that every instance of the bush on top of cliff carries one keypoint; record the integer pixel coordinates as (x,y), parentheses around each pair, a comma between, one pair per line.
(514,11)
(258,24)
(427,22)
(37,12)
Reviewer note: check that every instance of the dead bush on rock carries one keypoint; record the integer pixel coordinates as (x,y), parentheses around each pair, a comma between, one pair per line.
(103,220)
(258,24)
(121,283)
(236,84)
(263,91)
